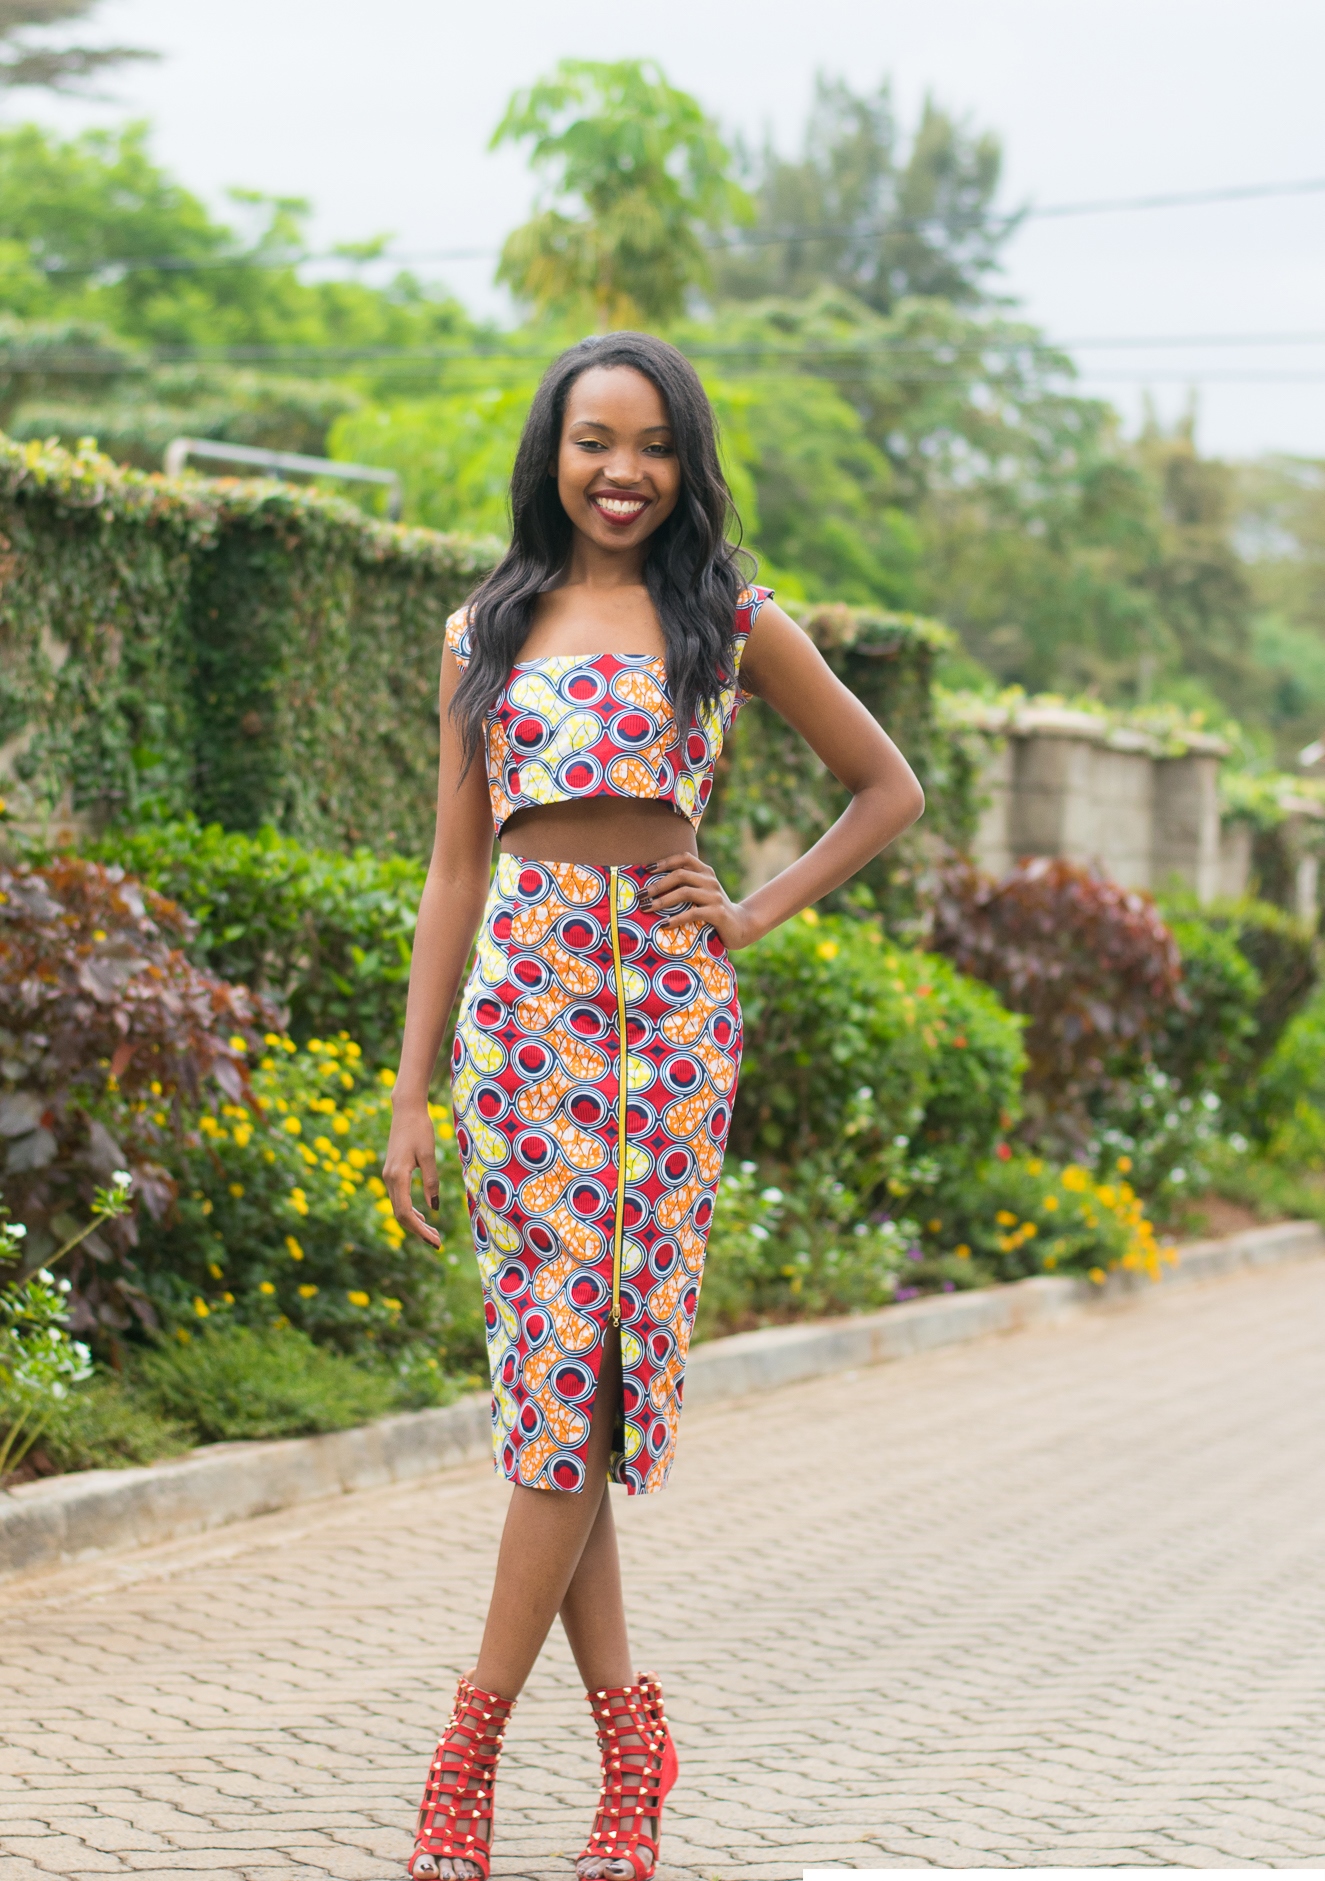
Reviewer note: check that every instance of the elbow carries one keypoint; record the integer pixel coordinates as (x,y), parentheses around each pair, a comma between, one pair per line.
(913,803)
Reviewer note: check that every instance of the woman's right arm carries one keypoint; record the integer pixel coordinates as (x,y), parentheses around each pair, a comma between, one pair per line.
(454,897)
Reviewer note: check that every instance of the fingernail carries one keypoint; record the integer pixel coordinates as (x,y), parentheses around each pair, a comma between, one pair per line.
(435,1203)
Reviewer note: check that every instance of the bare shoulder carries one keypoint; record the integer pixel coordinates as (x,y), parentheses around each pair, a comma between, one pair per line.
(776,651)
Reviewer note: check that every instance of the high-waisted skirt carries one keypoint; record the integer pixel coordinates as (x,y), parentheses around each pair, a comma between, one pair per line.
(593,1074)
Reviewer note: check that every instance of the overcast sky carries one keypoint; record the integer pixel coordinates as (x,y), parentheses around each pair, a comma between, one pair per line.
(382,114)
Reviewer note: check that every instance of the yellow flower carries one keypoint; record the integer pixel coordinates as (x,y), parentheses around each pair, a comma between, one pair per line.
(308,1155)
(383,1207)
(236,1189)
(307,1292)
(265,1286)
(386,1077)
(299,1201)
(1123,1165)
(207,1208)
(243,1131)
(1005,1218)
(322,1143)
(351,1049)
(827,950)
(810,916)
(1035,1167)
(1075,1179)
(201,1308)
(1028,1230)
(376,1186)
(1051,1261)
(357,1298)
(934,1225)
(293,1125)
(238,1044)
(358,1159)
(229,1298)
(347,1082)
(271,1038)
(214,1270)
(392,1305)
(1098,1275)
(1050,1203)
(437,1112)
(315,1044)
(962,1252)
(155,1087)
(293,1248)
(341,1125)
(288,1045)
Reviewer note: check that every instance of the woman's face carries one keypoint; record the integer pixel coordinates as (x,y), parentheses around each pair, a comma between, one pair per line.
(617,471)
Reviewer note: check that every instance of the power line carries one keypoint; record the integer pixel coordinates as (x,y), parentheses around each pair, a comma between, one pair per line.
(745,238)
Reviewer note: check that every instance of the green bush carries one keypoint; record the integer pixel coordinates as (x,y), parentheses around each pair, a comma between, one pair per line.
(326,936)
(1281,948)
(281,1217)
(1020,1215)
(1208,1038)
(242,1381)
(1285,1109)
(104,1425)
(892,1063)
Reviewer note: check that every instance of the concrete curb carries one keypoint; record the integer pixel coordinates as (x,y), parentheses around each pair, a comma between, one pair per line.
(68,1518)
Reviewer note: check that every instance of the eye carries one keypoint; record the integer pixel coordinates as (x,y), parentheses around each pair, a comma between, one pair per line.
(588,444)
(659,450)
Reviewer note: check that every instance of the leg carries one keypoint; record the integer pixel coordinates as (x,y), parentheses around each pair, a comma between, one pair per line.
(593,1612)
(544,1540)
(541,1546)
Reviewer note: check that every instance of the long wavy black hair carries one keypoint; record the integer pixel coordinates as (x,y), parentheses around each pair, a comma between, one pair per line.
(694,571)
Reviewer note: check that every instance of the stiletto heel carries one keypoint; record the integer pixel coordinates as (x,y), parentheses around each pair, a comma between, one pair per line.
(457,1798)
(639,1768)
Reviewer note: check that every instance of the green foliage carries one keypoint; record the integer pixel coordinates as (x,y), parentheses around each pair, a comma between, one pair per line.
(897,1067)
(1209,1032)
(1014,1216)
(641,169)
(281,1216)
(247,650)
(105,1425)
(105,1026)
(869,217)
(1282,950)
(1285,1110)
(241,1382)
(325,936)
(39,1361)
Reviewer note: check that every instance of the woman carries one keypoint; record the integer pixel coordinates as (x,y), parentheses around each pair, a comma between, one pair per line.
(585,694)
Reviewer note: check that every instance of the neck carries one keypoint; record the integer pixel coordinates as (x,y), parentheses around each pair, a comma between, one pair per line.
(592,566)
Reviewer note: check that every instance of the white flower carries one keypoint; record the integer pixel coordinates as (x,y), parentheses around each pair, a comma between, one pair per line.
(122,1179)
(770,1195)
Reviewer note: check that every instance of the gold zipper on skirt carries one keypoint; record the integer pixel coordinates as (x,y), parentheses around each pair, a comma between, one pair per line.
(623,1091)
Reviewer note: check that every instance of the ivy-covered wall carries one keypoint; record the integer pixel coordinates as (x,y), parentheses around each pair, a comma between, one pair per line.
(250,651)
(259,654)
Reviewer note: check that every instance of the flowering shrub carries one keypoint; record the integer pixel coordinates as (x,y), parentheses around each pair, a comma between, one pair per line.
(887,1061)
(326,936)
(281,1216)
(1091,964)
(107,1034)
(1023,1216)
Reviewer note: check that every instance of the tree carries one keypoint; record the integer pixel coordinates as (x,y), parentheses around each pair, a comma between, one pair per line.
(62,68)
(636,171)
(867,216)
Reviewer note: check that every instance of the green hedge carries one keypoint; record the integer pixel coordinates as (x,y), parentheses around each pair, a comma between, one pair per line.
(246,650)
(327,936)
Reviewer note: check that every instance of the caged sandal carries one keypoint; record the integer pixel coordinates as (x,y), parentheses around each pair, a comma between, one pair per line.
(455,1816)
(639,1768)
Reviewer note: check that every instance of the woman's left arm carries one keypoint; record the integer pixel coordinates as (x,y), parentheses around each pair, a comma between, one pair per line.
(785,668)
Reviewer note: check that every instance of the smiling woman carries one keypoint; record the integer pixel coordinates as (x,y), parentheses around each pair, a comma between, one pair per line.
(596,674)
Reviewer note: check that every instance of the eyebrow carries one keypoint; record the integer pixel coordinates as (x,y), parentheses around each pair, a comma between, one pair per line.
(601,424)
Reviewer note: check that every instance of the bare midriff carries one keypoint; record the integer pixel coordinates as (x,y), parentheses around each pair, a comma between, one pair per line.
(620,830)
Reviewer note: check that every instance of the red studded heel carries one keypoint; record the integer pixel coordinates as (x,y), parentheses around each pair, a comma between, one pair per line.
(639,1769)
(457,1798)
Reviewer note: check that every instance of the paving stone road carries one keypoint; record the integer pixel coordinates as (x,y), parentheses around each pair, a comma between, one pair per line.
(1054,1598)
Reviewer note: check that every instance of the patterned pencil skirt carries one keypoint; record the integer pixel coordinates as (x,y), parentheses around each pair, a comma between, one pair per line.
(590,1192)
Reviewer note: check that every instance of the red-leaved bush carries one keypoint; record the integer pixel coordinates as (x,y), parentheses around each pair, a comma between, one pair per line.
(106,1031)
(1091,964)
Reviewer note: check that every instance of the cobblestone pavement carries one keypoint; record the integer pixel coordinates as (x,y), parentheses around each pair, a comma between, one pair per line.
(1055,1598)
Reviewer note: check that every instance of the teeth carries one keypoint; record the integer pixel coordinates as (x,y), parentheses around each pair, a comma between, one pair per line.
(617,506)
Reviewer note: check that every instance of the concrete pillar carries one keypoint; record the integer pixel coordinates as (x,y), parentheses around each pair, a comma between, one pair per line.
(1186,820)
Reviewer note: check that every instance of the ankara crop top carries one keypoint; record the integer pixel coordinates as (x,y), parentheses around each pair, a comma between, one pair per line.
(577,725)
